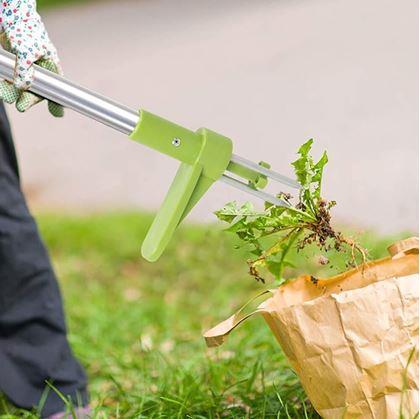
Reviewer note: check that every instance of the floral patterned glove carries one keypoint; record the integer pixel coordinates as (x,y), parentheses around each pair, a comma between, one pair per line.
(24,34)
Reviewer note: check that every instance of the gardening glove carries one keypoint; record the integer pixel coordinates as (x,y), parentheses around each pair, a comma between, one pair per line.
(24,34)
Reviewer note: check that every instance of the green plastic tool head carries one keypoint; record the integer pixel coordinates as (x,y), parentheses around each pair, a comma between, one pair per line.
(204,156)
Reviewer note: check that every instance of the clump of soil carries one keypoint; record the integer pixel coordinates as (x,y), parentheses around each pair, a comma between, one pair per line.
(323,235)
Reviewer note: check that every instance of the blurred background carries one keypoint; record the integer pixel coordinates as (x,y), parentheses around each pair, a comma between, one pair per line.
(268,74)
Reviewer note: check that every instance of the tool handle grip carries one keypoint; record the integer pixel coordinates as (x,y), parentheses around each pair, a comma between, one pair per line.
(60,90)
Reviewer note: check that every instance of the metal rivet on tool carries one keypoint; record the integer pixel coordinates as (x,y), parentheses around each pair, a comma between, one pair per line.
(176,142)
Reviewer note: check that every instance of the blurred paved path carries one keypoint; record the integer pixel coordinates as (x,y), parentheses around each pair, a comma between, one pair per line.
(270,74)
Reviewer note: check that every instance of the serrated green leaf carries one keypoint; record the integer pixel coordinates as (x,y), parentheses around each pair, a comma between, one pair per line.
(305,148)
(318,172)
(304,165)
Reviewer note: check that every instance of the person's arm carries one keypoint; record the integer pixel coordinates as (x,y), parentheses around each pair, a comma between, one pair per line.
(23,33)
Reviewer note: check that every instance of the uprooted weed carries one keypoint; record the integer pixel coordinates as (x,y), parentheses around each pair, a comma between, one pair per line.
(271,234)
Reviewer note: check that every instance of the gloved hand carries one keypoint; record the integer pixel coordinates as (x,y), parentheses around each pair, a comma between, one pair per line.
(24,34)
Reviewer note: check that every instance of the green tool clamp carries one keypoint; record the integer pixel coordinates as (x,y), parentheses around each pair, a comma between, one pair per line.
(204,157)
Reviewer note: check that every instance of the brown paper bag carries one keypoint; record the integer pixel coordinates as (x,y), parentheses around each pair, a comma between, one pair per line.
(353,338)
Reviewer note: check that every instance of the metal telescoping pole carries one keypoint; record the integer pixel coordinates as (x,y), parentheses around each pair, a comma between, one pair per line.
(70,95)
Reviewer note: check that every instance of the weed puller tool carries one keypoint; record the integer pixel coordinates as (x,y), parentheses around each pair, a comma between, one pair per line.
(205,155)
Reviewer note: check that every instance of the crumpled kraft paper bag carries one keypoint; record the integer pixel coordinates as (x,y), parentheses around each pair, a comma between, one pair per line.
(352,339)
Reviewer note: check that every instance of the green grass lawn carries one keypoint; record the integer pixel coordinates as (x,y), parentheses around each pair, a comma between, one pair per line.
(137,326)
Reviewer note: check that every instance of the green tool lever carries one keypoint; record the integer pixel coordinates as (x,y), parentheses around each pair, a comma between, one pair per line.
(205,156)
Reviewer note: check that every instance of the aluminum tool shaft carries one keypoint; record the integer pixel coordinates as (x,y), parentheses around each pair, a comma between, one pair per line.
(60,90)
